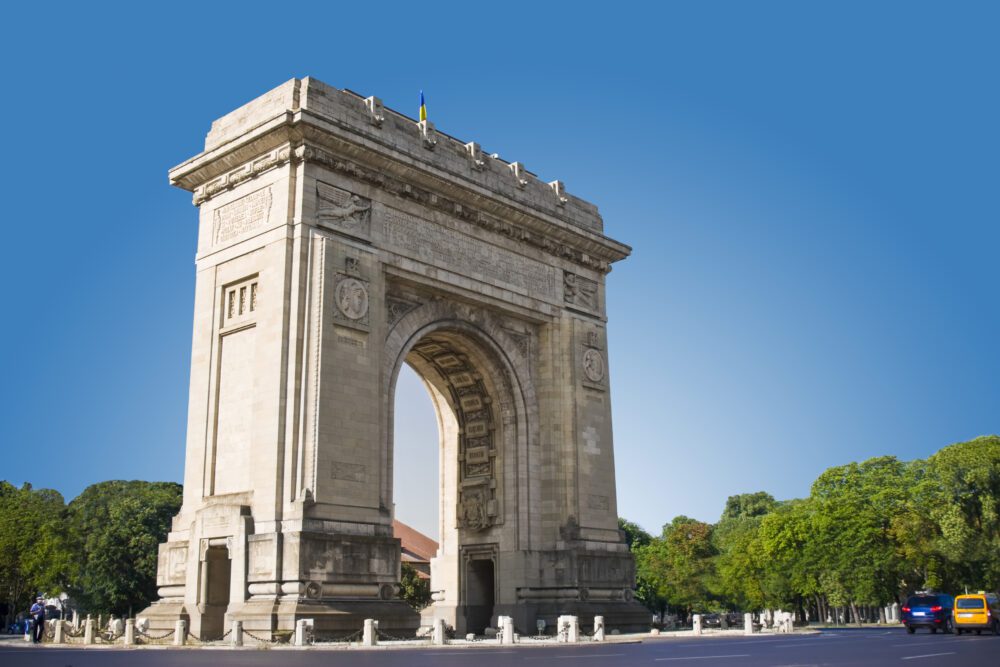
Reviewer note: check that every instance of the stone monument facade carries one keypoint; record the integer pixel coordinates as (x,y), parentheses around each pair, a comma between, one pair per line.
(338,240)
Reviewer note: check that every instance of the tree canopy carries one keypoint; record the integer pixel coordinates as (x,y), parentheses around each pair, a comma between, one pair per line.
(868,533)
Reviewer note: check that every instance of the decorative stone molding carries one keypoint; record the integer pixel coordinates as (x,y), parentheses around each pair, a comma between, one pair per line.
(560,191)
(476,160)
(428,136)
(520,174)
(376,112)
(379,179)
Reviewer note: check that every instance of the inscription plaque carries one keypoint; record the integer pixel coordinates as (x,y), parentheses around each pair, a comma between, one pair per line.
(455,251)
(241,216)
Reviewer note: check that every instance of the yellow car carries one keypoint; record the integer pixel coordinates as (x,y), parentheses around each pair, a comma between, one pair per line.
(977,611)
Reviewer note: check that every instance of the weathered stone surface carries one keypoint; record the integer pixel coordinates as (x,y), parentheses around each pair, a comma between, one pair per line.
(338,240)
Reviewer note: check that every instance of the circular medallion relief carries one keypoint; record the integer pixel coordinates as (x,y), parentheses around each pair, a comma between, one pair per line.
(352,298)
(593,365)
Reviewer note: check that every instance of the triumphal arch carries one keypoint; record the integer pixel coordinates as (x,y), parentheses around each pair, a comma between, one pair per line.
(338,240)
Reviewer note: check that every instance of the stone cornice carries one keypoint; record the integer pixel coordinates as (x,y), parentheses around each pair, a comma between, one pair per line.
(295,136)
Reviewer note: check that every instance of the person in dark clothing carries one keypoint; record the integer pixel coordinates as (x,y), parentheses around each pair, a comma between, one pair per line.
(38,615)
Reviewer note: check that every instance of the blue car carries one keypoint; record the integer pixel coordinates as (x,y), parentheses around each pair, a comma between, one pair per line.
(928,610)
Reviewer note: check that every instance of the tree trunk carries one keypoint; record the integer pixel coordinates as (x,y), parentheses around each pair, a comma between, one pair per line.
(854,610)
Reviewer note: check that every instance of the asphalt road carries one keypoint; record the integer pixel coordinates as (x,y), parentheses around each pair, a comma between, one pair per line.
(839,647)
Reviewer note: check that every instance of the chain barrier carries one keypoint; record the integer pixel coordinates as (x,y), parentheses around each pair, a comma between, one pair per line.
(262,640)
(392,638)
(331,639)
(142,637)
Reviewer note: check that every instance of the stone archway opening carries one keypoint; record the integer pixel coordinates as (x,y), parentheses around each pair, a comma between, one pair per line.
(416,456)
(472,396)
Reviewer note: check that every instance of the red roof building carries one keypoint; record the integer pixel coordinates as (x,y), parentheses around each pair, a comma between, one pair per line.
(417,549)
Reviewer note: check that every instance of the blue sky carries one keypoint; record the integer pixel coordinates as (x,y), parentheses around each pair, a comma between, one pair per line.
(810,190)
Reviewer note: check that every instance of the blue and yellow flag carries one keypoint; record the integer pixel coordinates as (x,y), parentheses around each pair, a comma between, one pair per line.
(423,107)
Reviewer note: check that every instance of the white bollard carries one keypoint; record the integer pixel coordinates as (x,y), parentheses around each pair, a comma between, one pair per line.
(236,636)
(180,633)
(368,637)
(505,624)
(438,637)
(303,631)
(88,631)
(568,628)
(129,632)
(57,638)
(598,628)
(696,624)
(748,624)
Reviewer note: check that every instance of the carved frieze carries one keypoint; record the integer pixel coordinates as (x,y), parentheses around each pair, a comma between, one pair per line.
(302,153)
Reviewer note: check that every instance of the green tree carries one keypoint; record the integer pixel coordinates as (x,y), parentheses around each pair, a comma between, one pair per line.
(35,556)
(117,527)
(679,564)
(635,536)
(964,483)
(852,535)
(415,590)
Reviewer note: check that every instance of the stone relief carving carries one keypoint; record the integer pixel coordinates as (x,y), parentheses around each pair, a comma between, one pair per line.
(396,308)
(351,298)
(343,210)
(579,291)
(593,365)
(473,514)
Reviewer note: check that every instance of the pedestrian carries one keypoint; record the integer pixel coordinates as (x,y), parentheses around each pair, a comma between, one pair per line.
(38,614)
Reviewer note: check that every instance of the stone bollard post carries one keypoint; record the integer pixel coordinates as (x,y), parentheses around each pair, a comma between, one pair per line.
(438,636)
(598,628)
(748,624)
(303,631)
(506,634)
(180,633)
(696,624)
(368,637)
(129,632)
(58,637)
(568,629)
(88,631)
(100,622)
(237,634)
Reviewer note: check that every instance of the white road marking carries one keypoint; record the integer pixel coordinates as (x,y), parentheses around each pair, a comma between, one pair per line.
(928,655)
(936,643)
(574,657)
(706,657)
